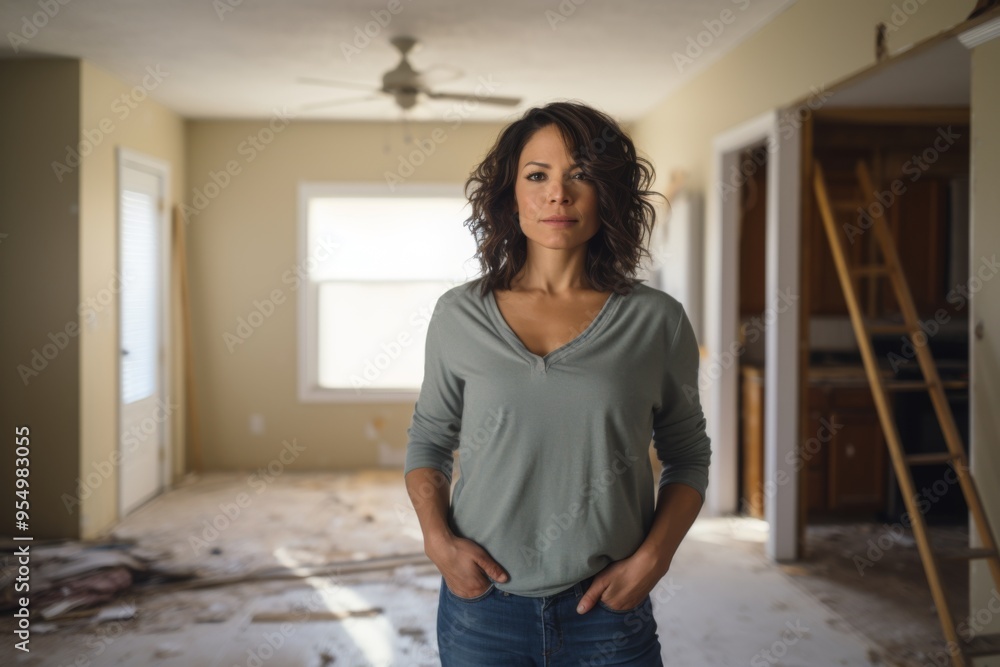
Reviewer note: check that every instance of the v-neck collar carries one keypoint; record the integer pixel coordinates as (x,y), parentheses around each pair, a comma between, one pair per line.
(543,363)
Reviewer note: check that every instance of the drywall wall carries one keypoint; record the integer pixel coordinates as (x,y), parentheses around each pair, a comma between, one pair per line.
(984,289)
(808,46)
(243,237)
(115,113)
(39,286)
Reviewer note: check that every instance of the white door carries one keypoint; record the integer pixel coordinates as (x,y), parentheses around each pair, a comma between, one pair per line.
(144,411)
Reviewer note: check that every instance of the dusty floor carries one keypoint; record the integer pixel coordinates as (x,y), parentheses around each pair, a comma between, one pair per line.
(729,605)
(872,574)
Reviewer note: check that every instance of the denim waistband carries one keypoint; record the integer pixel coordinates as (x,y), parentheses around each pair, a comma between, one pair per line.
(577,589)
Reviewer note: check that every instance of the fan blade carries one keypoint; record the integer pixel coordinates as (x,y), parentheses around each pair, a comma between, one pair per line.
(333,103)
(334,83)
(501,101)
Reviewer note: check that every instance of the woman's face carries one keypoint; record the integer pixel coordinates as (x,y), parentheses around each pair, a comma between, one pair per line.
(557,207)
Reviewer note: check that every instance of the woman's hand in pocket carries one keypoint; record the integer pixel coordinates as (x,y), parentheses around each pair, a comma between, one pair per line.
(465,565)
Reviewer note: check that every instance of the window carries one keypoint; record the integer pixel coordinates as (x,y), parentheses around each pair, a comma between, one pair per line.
(372,264)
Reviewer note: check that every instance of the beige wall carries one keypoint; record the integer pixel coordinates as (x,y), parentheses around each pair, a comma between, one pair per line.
(241,244)
(59,214)
(985,354)
(814,43)
(39,285)
(148,127)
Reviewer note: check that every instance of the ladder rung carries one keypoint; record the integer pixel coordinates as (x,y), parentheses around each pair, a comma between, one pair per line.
(890,328)
(918,385)
(930,458)
(982,645)
(870,269)
(965,553)
(850,204)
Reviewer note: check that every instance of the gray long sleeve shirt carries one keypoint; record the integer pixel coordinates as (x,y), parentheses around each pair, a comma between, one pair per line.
(555,480)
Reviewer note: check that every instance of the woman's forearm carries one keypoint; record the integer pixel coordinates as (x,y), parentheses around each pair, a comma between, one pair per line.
(677,506)
(430,493)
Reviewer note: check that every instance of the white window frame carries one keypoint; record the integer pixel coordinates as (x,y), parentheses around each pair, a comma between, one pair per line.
(308,298)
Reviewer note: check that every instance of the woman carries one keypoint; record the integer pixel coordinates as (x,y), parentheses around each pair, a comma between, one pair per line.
(549,375)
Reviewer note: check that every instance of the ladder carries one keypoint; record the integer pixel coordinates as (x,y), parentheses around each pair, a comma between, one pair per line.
(961,649)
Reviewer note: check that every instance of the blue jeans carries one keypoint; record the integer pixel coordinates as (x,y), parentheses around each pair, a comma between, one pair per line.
(502,629)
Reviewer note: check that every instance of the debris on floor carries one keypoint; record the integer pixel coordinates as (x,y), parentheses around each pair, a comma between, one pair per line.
(70,577)
(328,569)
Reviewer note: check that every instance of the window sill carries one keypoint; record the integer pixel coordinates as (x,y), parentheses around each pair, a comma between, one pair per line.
(356,396)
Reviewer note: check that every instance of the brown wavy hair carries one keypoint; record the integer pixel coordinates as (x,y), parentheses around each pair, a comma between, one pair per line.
(608,158)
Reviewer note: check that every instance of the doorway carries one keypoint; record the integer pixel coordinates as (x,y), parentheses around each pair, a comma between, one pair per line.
(779,321)
(752,271)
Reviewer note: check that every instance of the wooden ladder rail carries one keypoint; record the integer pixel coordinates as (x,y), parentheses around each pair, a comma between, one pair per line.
(983,644)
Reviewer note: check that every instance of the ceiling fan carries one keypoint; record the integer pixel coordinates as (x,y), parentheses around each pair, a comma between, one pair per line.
(404,84)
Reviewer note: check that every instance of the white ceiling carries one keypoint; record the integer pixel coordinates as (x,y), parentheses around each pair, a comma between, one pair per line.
(243,63)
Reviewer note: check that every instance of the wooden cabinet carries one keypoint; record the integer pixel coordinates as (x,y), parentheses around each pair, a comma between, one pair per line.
(815,453)
(912,166)
(848,470)
(844,457)
(752,450)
